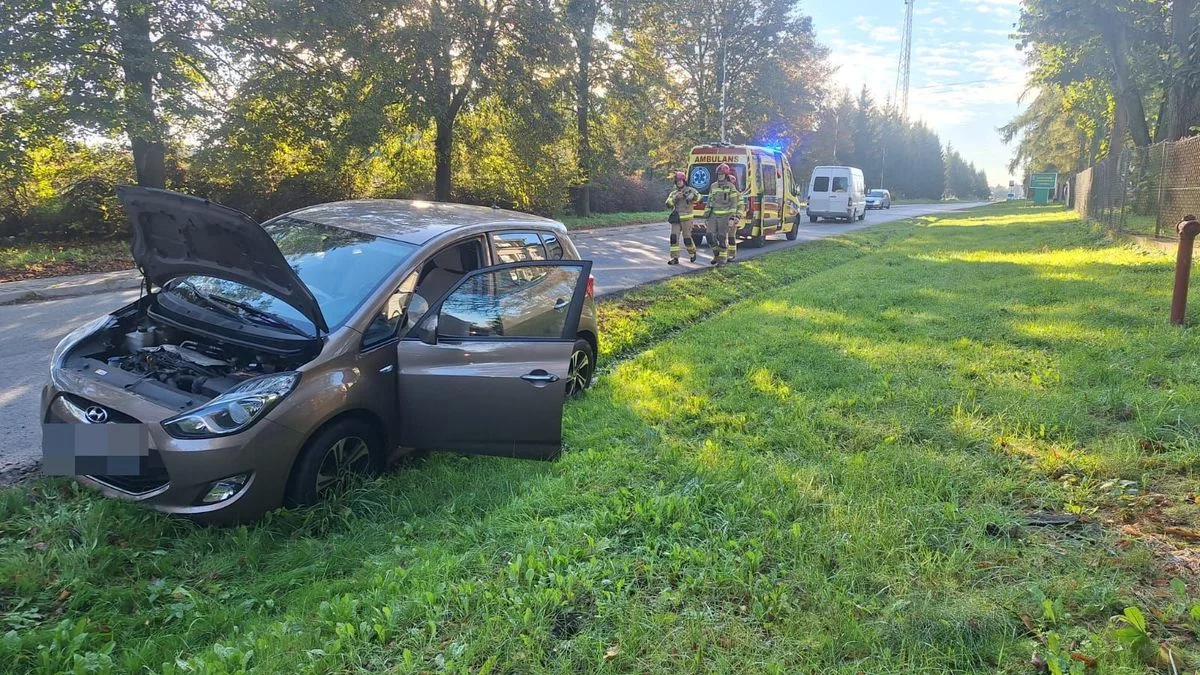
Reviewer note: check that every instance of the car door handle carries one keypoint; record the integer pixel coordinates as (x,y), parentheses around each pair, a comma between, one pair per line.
(561,304)
(539,376)
(386,369)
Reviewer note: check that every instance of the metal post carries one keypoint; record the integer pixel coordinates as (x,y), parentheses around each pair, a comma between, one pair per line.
(724,76)
(1162,176)
(1188,228)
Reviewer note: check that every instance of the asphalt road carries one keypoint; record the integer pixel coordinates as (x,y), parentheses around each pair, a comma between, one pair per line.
(623,257)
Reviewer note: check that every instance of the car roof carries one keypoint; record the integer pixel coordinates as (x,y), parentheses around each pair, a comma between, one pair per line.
(416,221)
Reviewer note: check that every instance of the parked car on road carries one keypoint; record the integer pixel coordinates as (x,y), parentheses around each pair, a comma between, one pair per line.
(268,363)
(879,199)
(837,193)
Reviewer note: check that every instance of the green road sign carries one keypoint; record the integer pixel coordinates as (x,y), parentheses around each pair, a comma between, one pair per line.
(1048,181)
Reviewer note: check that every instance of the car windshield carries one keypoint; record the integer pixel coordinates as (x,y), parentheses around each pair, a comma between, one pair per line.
(340,267)
(876,193)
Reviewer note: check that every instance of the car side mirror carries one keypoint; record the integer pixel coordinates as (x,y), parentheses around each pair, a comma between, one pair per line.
(427,331)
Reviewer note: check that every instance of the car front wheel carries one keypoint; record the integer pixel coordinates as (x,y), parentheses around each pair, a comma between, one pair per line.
(346,449)
(582,367)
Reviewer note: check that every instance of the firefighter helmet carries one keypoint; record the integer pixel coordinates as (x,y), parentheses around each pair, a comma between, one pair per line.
(724,170)
(680,176)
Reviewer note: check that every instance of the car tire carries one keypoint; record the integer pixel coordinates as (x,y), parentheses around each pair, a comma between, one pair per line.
(698,239)
(813,219)
(317,473)
(795,231)
(581,369)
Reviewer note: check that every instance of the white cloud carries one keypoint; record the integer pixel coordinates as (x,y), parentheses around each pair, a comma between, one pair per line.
(885,34)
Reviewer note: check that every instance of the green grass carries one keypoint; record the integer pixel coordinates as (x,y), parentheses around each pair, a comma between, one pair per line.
(37,259)
(816,461)
(597,220)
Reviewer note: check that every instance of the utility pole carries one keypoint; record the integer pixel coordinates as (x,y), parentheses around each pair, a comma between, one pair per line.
(724,79)
(904,68)
(882,166)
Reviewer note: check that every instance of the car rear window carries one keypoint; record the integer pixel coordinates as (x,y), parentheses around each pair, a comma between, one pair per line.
(840,184)
(514,247)
(821,184)
(554,249)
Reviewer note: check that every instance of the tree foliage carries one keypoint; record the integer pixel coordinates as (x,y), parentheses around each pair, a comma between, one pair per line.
(1105,74)
(269,105)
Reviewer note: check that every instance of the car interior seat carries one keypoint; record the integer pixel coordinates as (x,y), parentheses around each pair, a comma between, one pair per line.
(443,271)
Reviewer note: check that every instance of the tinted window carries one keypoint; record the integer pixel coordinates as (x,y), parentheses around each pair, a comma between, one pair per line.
(768,180)
(514,247)
(841,184)
(500,304)
(878,193)
(702,176)
(554,249)
(340,267)
(821,184)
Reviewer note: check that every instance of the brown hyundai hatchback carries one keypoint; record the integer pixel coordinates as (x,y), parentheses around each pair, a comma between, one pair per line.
(264,364)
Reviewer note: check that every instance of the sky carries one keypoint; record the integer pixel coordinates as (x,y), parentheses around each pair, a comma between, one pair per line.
(967,75)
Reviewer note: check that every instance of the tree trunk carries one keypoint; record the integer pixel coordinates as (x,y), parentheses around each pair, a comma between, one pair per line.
(443,148)
(141,118)
(583,105)
(1183,91)
(1128,96)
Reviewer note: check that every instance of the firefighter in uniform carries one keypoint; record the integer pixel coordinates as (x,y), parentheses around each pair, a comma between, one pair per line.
(680,200)
(724,207)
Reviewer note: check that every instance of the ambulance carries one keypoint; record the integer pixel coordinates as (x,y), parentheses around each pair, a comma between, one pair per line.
(764,176)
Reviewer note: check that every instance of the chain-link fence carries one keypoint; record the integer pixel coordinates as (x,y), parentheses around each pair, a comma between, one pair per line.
(1143,191)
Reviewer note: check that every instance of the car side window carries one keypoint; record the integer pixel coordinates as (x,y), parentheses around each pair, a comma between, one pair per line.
(383,327)
(534,304)
(554,249)
(511,247)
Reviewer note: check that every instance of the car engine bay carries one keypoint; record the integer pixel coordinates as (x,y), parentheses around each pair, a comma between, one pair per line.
(170,364)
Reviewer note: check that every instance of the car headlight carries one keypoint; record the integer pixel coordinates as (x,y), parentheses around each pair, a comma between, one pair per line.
(235,410)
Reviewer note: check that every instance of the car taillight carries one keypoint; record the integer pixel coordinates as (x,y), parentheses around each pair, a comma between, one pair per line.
(591,286)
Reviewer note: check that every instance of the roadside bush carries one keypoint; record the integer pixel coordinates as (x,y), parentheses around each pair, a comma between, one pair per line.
(67,190)
(616,193)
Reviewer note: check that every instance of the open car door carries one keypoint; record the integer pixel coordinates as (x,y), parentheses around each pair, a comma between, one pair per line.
(485,369)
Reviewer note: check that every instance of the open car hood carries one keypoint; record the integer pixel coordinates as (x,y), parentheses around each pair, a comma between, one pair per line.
(176,235)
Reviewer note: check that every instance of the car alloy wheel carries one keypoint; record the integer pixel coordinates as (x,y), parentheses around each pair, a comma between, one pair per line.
(583,364)
(346,457)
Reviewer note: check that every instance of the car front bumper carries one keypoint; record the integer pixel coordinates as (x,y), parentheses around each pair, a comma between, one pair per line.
(176,474)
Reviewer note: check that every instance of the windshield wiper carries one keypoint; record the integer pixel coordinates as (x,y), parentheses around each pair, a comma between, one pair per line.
(209,301)
(266,316)
(223,305)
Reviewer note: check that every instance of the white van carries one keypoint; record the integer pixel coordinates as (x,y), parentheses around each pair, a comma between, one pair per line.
(837,192)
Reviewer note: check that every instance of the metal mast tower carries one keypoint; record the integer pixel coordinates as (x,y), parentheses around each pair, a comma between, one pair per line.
(905,65)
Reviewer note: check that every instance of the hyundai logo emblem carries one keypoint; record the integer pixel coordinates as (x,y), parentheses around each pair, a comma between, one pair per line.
(96,415)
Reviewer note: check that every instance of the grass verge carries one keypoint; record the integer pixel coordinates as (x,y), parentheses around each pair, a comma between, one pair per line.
(41,259)
(597,220)
(826,471)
